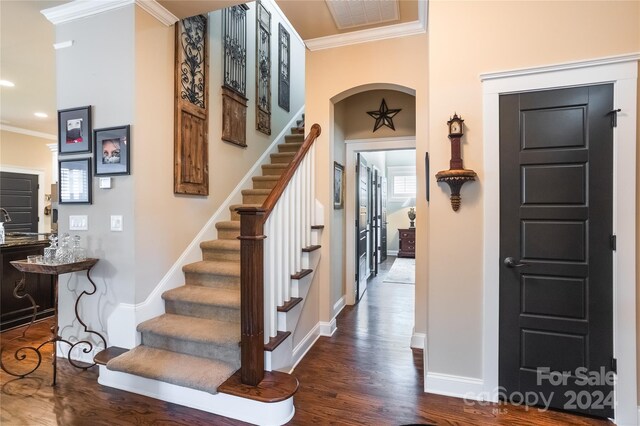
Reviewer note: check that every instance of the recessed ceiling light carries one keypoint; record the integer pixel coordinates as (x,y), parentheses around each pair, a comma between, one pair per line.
(40,114)
(6,83)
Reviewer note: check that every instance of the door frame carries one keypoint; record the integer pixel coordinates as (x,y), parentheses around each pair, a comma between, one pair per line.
(41,189)
(622,72)
(353,147)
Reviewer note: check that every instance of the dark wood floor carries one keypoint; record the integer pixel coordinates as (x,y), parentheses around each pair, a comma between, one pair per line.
(364,374)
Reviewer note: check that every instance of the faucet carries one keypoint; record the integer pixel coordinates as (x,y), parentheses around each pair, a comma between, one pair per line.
(5,215)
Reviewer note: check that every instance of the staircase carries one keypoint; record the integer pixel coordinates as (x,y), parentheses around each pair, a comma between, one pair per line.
(195,343)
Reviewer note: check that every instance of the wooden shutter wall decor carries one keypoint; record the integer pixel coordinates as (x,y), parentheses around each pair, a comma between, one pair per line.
(234,88)
(263,69)
(283,67)
(191,154)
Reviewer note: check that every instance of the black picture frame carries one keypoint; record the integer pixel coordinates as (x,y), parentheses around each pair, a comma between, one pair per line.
(74,130)
(338,186)
(74,181)
(112,153)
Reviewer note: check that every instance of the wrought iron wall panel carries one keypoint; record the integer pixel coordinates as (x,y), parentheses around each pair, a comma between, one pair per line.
(263,69)
(283,67)
(234,31)
(192,35)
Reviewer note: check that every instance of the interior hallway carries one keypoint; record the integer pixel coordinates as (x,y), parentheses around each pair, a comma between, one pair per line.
(364,374)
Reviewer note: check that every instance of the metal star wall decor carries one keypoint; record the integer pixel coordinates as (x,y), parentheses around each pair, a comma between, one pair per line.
(384,116)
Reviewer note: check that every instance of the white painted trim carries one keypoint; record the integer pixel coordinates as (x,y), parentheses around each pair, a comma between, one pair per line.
(392,252)
(158,11)
(53,147)
(75,10)
(304,346)
(469,388)
(418,339)
(622,72)
(121,330)
(63,44)
(352,148)
(41,201)
(373,34)
(608,60)
(247,410)
(28,132)
(339,306)
(328,328)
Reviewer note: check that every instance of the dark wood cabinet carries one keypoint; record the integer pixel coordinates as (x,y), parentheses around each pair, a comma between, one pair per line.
(407,242)
(14,311)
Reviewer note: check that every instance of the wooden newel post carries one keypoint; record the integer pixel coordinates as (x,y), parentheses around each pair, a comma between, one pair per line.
(251,294)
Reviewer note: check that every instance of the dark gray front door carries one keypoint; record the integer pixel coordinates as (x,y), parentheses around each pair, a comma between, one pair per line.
(19,196)
(556,296)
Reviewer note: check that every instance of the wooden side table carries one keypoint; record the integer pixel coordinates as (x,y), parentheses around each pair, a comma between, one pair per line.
(55,270)
(407,243)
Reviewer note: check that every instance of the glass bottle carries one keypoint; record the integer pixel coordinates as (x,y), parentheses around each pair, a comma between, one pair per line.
(79,254)
(50,252)
(64,253)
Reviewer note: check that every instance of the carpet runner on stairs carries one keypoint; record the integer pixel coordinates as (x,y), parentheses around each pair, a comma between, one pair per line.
(196,343)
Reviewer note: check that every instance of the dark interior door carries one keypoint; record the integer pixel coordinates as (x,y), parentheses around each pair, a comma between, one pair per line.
(556,304)
(383,218)
(362,225)
(19,196)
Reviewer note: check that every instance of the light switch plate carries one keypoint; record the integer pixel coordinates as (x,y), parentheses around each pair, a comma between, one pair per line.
(78,223)
(116,223)
(105,182)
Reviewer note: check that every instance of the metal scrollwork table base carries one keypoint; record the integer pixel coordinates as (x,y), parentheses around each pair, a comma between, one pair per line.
(55,270)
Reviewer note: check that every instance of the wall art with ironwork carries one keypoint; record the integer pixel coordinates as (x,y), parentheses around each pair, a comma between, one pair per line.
(263,68)
(192,39)
(234,35)
(284,57)
(191,138)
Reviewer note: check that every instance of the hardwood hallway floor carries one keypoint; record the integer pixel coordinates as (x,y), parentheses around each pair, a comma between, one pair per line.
(364,374)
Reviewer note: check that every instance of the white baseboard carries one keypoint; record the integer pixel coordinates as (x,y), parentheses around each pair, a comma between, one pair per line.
(247,410)
(328,328)
(339,306)
(392,252)
(456,386)
(120,328)
(417,340)
(303,347)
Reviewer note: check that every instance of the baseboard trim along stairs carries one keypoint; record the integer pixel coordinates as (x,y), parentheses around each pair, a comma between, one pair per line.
(190,354)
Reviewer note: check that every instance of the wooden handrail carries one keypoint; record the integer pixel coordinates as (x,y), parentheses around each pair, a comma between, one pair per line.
(282,183)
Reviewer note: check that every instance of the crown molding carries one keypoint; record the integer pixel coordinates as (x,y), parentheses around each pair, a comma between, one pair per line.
(28,132)
(373,34)
(79,9)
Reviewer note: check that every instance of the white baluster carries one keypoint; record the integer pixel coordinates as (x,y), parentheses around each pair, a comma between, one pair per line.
(286,239)
(312,182)
(298,228)
(269,281)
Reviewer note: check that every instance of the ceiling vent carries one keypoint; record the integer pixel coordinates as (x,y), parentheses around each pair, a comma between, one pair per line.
(359,13)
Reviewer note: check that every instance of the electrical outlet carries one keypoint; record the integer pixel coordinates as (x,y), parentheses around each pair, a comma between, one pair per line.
(78,223)
(116,223)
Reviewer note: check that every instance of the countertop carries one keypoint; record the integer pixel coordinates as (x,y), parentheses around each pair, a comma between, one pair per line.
(24,241)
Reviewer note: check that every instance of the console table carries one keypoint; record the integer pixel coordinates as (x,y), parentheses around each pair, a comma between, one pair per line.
(407,243)
(54,270)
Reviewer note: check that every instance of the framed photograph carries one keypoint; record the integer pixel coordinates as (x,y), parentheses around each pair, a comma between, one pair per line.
(112,153)
(338,185)
(74,181)
(74,130)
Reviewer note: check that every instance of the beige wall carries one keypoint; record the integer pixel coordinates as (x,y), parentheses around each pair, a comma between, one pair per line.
(360,124)
(491,36)
(28,152)
(367,64)
(160,215)
(444,70)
